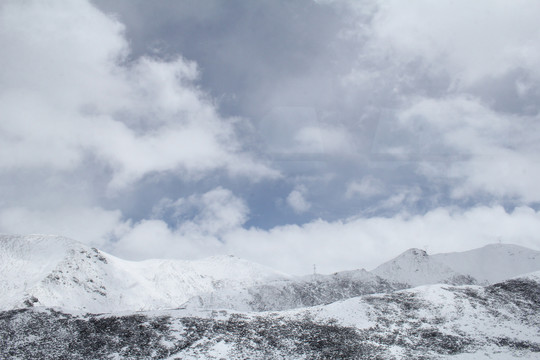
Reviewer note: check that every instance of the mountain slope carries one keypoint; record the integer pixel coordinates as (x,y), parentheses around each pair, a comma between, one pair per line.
(296,292)
(415,267)
(53,271)
(49,282)
(57,272)
(492,263)
(500,321)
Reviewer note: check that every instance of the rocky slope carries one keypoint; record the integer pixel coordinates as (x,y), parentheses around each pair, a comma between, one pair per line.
(58,272)
(500,321)
(296,292)
(60,299)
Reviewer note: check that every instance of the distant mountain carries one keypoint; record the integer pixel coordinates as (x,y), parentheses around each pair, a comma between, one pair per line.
(53,271)
(492,263)
(296,292)
(415,267)
(486,265)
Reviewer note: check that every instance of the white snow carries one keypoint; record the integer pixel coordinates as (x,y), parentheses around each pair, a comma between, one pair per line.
(63,273)
(487,265)
(534,276)
(415,267)
(52,271)
(492,263)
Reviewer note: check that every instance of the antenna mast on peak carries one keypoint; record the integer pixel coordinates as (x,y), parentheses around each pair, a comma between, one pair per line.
(314,269)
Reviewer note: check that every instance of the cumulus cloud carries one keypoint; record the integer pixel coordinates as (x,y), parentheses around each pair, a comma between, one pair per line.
(213,212)
(297,201)
(368,186)
(422,84)
(467,40)
(295,131)
(213,223)
(71,91)
(93,226)
(367,242)
(477,150)
(338,245)
(194,229)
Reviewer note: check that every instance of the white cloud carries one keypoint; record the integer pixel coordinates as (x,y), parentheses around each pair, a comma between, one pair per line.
(367,242)
(297,201)
(480,151)
(69,90)
(93,226)
(155,239)
(217,211)
(216,227)
(294,130)
(200,222)
(467,40)
(334,246)
(368,186)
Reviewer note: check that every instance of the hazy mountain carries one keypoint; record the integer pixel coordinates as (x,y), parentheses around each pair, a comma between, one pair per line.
(486,265)
(415,267)
(492,263)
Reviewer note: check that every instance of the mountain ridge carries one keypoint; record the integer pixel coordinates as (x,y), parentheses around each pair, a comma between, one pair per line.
(71,275)
(429,322)
(52,271)
(493,262)
(415,267)
(149,309)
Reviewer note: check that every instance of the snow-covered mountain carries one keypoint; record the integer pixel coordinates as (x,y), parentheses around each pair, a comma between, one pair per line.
(171,309)
(296,292)
(415,267)
(58,272)
(500,321)
(486,265)
(53,271)
(492,263)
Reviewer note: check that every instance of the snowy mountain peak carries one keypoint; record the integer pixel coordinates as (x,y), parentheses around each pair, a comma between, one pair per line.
(54,271)
(492,263)
(414,253)
(415,267)
(486,265)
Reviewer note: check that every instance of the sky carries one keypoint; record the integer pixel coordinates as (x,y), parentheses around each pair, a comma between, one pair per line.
(338,133)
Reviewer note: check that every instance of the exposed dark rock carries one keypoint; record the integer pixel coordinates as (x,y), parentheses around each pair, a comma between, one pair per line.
(402,320)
